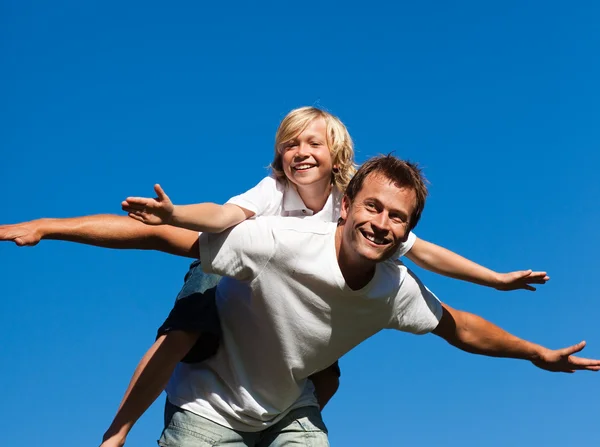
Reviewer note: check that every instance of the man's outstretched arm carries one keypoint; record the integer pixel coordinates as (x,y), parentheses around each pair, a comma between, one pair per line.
(105,230)
(478,336)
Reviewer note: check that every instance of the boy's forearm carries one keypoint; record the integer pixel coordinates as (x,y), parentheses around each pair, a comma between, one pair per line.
(207,217)
(445,262)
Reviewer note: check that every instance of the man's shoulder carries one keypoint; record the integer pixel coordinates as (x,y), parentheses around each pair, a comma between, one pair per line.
(282,224)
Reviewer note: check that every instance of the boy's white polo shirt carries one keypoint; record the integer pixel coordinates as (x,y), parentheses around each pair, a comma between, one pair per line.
(271,197)
(287,315)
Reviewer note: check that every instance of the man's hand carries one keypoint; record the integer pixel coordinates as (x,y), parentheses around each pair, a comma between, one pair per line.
(562,360)
(157,211)
(22,234)
(520,280)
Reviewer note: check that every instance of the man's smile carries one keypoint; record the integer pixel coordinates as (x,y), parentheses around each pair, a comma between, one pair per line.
(376,240)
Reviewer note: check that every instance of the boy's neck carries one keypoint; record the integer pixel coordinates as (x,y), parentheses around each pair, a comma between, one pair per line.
(314,196)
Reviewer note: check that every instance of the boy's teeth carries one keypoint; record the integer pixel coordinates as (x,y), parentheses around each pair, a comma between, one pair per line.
(303,166)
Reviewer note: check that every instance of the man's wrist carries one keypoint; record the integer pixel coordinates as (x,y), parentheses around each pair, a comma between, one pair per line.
(536,352)
(44,227)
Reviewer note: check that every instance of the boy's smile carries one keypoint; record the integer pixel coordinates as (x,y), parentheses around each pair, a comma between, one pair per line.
(306,159)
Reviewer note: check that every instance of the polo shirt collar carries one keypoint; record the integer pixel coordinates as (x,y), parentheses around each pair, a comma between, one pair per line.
(292,200)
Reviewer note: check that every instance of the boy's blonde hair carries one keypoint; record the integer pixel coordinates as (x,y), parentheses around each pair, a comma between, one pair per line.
(339,143)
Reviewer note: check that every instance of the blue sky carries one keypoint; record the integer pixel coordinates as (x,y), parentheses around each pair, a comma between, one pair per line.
(498,101)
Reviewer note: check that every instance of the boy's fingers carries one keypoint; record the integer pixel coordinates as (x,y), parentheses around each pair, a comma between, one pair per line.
(136,217)
(160,192)
(143,201)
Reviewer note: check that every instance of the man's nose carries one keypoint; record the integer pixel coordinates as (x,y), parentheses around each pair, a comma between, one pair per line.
(381,222)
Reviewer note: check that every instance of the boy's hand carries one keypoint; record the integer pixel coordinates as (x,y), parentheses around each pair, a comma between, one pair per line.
(157,211)
(22,234)
(521,280)
(561,360)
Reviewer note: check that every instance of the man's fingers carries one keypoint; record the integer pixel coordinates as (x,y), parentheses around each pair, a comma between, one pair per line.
(584,363)
(572,349)
(528,287)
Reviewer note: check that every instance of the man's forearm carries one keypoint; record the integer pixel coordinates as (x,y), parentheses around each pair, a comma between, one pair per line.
(102,230)
(112,231)
(478,336)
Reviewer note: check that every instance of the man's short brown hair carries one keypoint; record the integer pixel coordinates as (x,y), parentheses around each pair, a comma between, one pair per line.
(403,174)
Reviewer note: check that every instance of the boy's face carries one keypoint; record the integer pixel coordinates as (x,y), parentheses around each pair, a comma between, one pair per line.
(306,158)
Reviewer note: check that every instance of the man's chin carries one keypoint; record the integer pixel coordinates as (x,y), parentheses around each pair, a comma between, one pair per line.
(373,255)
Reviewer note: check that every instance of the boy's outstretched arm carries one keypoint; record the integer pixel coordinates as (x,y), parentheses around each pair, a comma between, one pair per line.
(205,217)
(475,335)
(440,260)
(104,230)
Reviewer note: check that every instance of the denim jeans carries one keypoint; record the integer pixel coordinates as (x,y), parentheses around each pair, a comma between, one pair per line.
(196,281)
(300,427)
(195,310)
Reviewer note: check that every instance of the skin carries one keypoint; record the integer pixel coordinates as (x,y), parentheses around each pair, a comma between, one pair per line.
(461,329)
(307,163)
(375,224)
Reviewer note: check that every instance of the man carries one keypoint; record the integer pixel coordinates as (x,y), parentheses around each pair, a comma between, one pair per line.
(308,292)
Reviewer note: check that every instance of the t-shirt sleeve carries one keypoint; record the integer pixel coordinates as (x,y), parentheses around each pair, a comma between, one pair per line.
(262,200)
(240,252)
(415,308)
(406,246)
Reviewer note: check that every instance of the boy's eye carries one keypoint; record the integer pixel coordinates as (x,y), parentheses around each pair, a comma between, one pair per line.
(315,144)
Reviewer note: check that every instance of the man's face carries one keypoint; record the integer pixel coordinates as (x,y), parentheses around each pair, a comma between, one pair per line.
(306,158)
(377,220)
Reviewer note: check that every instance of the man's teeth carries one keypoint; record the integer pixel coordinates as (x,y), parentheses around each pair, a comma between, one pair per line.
(302,167)
(374,239)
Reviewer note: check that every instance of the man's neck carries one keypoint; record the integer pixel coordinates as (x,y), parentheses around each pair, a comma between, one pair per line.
(357,272)
(314,196)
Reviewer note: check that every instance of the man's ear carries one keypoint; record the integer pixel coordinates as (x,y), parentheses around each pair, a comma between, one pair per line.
(345,207)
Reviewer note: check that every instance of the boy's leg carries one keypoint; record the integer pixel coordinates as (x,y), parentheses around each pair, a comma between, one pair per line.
(300,427)
(195,312)
(178,338)
(326,383)
(149,380)
(186,429)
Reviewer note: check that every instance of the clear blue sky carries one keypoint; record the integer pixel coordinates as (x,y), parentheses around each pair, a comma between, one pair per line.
(499,101)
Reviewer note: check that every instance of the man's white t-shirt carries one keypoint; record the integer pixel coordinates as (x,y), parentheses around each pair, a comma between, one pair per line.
(287,314)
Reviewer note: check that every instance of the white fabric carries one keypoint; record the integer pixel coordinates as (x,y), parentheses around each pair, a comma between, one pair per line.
(274,198)
(288,314)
